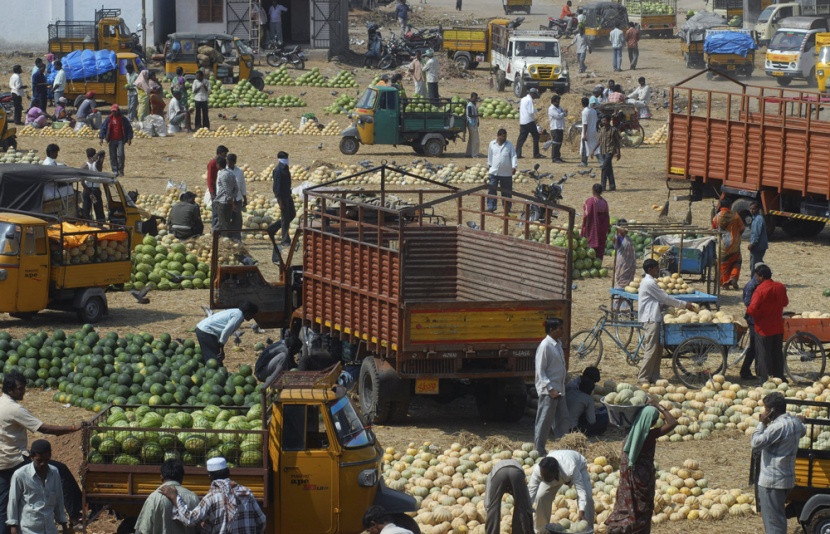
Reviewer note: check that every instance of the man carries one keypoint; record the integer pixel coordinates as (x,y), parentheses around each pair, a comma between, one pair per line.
(596,98)
(617,38)
(228,508)
(596,221)
(276,357)
(402,14)
(15,420)
(731,228)
(431,73)
(178,114)
(606,92)
(40,89)
(625,257)
(91,196)
(651,316)
(640,97)
(16,85)
(471,113)
(583,48)
(609,148)
(750,356)
(213,332)
(185,219)
(508,476)
(38,63)
(36,496)
(201,92)
(132,93)
(588,138)
(212,174)
(556,116)
(566,13)
(282,192)
(582,411)
(502,162)
(550,386)
(87,113)
(377,521)
(527,123)
(241,200)
(59,84)
(416,70)
(397,83)
(52,151)
(776,439)
(758,242)
(555,470)
(275,20)
(225,202)
(156,515)
(116,131)
(767,312)
(632,39)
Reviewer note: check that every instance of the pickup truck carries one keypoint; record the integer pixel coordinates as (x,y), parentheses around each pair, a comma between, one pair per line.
(791,52)
(526,59)
(774,14)
(307,457)
(407,292)
(107,32)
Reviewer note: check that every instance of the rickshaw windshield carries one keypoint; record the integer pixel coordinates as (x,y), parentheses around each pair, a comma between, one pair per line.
(367,99)
(824,54)
(351,433)
(124,29)
(9,239)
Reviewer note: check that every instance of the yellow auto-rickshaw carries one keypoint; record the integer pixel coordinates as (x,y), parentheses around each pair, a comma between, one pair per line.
(601,18)
(822,60)
(228,57)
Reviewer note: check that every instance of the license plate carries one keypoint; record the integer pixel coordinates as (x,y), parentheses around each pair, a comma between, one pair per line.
(777,73)
(546,84)
(480,58)
(426,386)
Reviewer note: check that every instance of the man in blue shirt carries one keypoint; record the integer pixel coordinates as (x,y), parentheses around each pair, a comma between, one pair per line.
(758,243)
(402,14)
(749,357)
(213,332)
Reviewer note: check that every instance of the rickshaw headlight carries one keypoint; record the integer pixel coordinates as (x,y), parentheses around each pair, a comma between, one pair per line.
(820,72)
(368,478)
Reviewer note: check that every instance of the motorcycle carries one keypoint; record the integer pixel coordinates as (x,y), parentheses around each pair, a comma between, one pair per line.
(7,102)
(424,39)
(550,193)
(374,45)
(279,56)
(395,53)
(562,27)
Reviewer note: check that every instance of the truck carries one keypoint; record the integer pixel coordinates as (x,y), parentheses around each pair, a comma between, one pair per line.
(308,458)
(402,291)
(790,54)
(527,59)
(656,19)
(108,85)
(107,32)
(728,8)
(760,144)
(382,117)
(773,14)
(822,60)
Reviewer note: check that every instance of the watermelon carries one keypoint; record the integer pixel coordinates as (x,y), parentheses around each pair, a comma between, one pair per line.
(195,443)
(152,453)
(95,457)
(126,459)
(131,444)
(251,459)
(151,420)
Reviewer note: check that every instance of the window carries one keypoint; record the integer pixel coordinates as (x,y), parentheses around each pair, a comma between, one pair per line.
(303,428)
(34,241)
(9,239)
(351,432)
(211,11)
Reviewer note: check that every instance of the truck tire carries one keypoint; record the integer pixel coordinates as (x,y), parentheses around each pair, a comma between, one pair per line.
(349,145)
(518,88)
(819,523)
(373,409)
(258,83)
(93,310)
(802,228)
(434,148)
(783,82)
(406,522)
(501,81)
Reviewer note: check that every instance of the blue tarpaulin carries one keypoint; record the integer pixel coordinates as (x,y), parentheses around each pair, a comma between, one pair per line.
(83,64)
(729,43)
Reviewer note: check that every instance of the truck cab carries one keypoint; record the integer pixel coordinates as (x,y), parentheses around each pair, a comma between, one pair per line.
(770,19)
(107,32)
(526,59)
(791,52)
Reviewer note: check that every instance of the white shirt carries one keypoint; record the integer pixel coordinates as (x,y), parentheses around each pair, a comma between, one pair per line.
(496,468)
(392,528)
(527,111)
(617,38)
(173,109)
(651,298)
(35,504)
(641,94)
(15,420)
(239,174)
(556,115)
(60,81)
(16,84)
(502,159)
(92,185)
(572,471)
(431,70)
(201,90)
(49,161)
(275,13)
(550,367)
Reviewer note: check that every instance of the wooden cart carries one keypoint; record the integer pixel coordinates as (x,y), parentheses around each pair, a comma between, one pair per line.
(805,357)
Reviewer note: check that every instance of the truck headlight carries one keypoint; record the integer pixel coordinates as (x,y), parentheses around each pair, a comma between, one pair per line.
(557,70)
(768,64)
(533,70)
(368,478)
(793,65)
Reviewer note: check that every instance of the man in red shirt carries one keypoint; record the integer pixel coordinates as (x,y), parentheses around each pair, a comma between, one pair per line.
(117,131)
(632,38)
(212,174)
(767,311)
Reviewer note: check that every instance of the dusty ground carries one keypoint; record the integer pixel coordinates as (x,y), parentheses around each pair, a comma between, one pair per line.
(640,175)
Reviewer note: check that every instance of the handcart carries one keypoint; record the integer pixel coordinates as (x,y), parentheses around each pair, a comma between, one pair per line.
(805,357)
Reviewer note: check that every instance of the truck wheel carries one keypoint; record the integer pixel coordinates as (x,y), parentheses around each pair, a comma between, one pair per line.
(802,228)
(501,81)
(11,142)
(418,150)
(463,62)
(92,311)
(518,88)
(434,148)
(369,392)
(783,82)
(258,83)
(405,522)
(819,523)
(349,145)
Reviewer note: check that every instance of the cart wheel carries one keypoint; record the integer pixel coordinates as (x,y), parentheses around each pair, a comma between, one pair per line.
(623,311)
(736,353)
(804,358)
(586,348)
(633,137)
(349,145)
(697,359)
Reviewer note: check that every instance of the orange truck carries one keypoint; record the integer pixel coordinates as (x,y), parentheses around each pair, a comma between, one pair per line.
(412,293)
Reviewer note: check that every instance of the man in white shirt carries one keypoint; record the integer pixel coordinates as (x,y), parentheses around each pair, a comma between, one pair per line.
(177,114)
(617,38)
(275,20)
(651,298)
(556,116)
(431,72)
(640,97)
(201,92)
(588,142)
(550,386)
(36,499)
(16,85)
(215,331)
(527,123)
(59,85)
(556,469)
(52,151)
(508,476)
(583,47)
(241,197)
(377,520)
(91,196)
(502,161)
(471,113)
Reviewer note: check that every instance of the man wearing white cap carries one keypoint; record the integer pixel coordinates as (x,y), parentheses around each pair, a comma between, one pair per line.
(228,508)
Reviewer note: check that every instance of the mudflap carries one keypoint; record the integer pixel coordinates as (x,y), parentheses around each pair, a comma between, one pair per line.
(82,296)
(351,131)
(393,501)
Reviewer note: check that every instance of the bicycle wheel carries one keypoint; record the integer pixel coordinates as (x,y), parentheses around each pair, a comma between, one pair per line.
(586,349)
(696,360)
(633,137)
(736,353)
(804,358)
(623,312)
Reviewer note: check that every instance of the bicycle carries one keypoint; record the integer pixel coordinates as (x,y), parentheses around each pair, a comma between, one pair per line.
(586,345)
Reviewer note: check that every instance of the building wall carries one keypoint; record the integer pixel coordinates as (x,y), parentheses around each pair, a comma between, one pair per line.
(26,29)
(187,20)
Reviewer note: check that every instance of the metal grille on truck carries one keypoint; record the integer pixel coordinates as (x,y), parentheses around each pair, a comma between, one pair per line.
(545,72)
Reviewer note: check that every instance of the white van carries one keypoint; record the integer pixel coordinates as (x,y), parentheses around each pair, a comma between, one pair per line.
(791,51)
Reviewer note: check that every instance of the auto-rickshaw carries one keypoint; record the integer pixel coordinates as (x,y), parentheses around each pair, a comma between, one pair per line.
(601,18)
(730,51)
(822,60)
(230,59)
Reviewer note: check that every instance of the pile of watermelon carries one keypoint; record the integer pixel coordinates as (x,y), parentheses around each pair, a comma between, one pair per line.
(165,265)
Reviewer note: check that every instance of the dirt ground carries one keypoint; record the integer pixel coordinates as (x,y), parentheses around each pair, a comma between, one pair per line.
(800,264)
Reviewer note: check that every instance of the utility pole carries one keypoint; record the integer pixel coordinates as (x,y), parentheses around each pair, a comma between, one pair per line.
(144,26)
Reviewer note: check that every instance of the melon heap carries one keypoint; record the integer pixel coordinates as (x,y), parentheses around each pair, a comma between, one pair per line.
(279,77)
(162,263)
(584,259)
(13,156)
(683,316)
(497,108)
(673,285)
(811,315)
